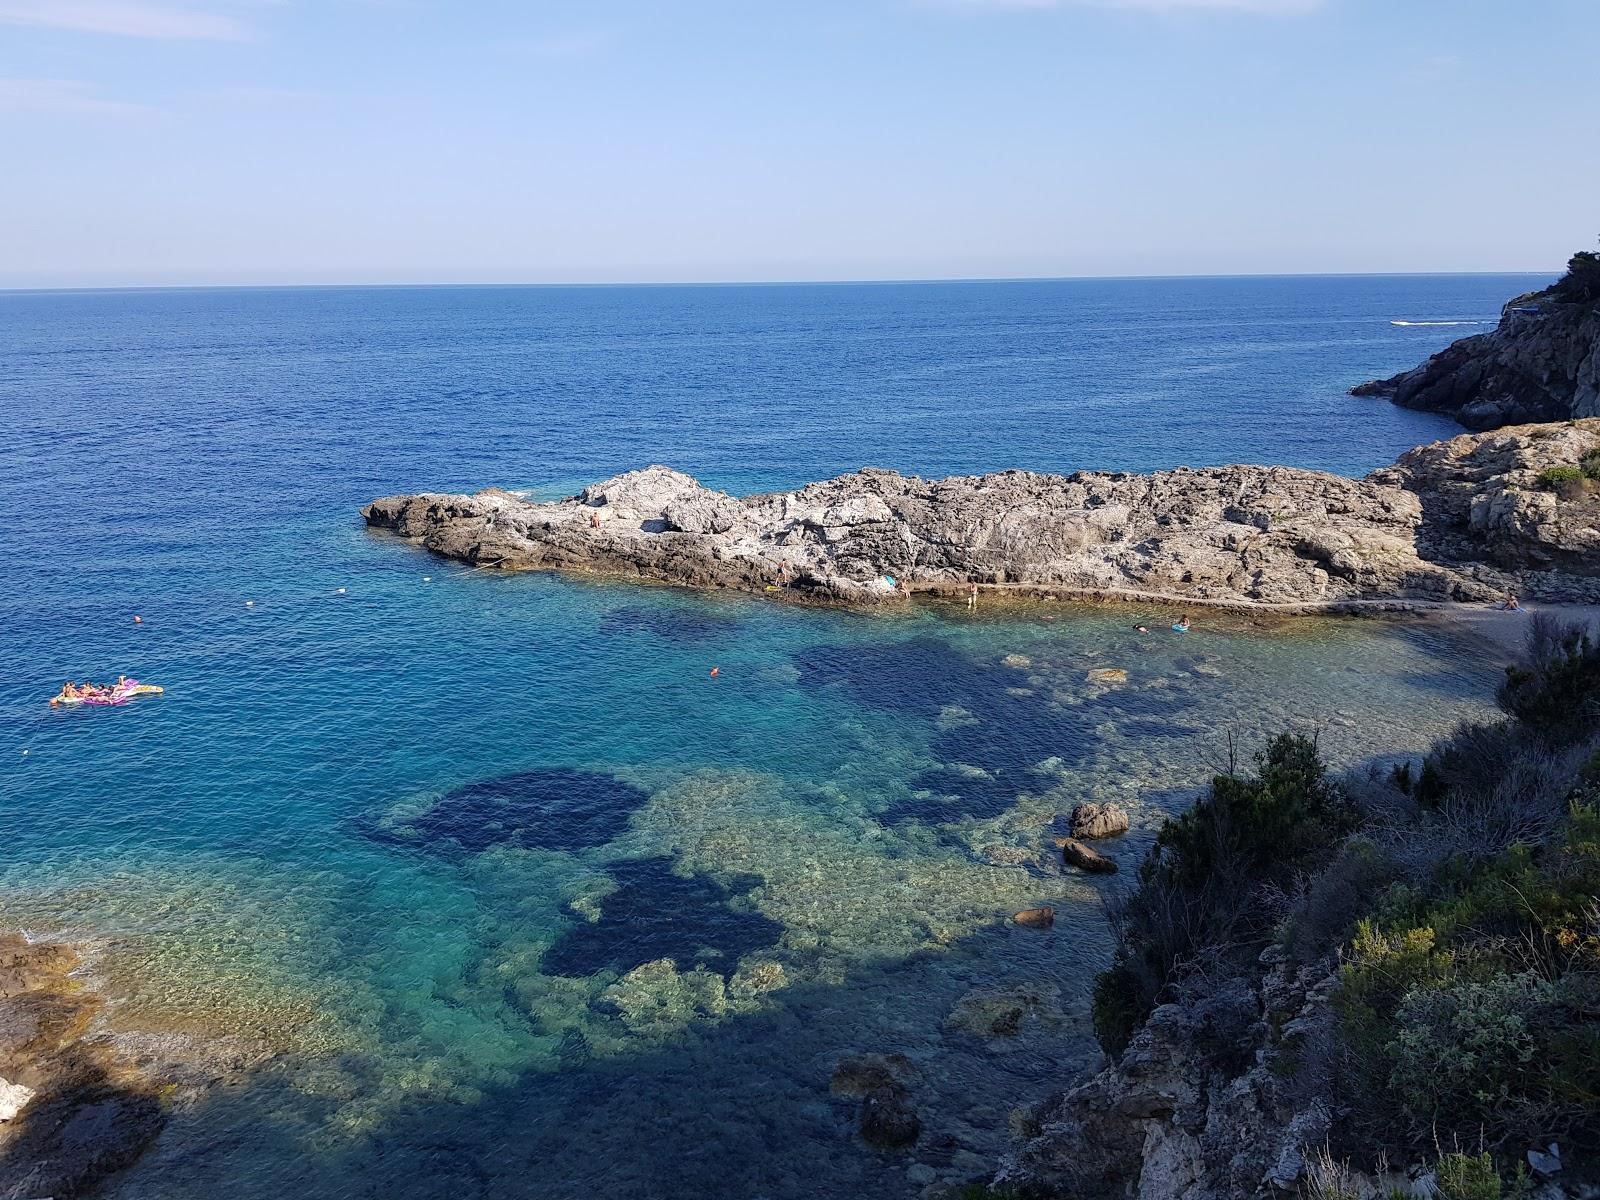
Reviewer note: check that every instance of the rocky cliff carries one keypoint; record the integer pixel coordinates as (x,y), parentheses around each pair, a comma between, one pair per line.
(1541,363)
(1463,519)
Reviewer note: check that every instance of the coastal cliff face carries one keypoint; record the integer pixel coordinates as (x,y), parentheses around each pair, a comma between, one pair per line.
(1215,1098)
(1542,363)
(1463,519)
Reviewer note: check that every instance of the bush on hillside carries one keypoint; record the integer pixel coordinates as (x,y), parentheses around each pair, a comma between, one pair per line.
(1470,1010)
(1203,890)
(1581,283)
(1556,694)
(1566,482)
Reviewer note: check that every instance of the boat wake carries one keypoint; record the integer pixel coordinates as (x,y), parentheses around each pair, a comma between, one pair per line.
(1420,323)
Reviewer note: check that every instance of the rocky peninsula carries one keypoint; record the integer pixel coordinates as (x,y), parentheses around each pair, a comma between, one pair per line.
(1466,519)
(1541,363)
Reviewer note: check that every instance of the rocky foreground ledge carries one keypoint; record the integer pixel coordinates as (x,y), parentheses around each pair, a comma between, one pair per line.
(1466,519)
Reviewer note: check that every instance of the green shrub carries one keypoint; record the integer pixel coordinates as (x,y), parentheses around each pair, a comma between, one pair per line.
(1553,479)
(1117,1008)
(1202,886)
(1556,693)
(1466,1051)
(1467,1177)
(1467,1008)
(1590,464)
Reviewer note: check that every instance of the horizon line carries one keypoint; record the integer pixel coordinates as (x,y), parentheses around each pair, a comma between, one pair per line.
(731,283)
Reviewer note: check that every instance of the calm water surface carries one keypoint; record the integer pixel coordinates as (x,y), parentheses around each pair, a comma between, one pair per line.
(436,837)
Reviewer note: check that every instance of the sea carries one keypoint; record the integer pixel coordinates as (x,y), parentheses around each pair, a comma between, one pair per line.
(509,895)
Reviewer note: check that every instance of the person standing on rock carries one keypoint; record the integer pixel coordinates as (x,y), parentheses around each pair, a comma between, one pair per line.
(972,599)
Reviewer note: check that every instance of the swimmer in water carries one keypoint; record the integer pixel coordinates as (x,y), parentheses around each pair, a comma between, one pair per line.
(1141,629)
(1181,625)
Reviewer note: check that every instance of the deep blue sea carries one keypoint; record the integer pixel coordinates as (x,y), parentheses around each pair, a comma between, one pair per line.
(521,901)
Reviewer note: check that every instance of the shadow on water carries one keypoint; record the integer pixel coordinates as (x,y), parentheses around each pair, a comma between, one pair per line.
(555,808)
(990,724)
(656,914)
(739,1108)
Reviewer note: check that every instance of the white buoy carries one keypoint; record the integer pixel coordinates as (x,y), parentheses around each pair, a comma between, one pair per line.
(249,603)
(338,591)
(427,579)
(24,751)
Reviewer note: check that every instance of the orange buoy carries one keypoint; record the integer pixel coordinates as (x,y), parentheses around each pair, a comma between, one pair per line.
(715,671)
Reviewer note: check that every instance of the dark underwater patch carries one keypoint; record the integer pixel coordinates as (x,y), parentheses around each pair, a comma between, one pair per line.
(923,676)
(680,623)
(553,808)
(951,795)
(657,914)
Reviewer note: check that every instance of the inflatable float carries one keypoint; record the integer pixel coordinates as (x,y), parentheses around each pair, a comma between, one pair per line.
(119,693)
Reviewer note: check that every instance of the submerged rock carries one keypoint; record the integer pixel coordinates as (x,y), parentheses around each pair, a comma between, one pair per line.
(863,1074)
(1036,918)
(1108,675)
(999,1012)
(1076,854)
(655,915)
(889,1119)
(1090,821)
(655,998)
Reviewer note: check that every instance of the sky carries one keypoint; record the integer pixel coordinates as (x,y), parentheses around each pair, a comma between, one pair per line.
(178,142)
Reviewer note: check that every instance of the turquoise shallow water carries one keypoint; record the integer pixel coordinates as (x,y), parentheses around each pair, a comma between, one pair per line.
(431,838)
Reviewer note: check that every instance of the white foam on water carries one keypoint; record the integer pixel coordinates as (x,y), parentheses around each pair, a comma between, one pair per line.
(1424,323)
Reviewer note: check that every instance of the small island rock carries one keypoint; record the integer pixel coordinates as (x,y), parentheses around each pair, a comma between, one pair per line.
(1090,821)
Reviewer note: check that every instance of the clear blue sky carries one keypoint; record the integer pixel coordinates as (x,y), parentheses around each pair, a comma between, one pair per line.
(245,141)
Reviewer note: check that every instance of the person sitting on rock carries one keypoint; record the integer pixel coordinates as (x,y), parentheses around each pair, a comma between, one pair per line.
(1509,604)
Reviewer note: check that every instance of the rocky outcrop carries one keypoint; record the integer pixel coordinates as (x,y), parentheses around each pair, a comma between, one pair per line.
(1085,858)
(1242,534)
(79,1101)
(1091,821)
(82,1113)
(1217,1097)
(1541,363)
(1494,498)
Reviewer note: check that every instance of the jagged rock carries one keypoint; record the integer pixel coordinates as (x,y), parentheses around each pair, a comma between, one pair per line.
(1091,821)
(1546,1162)
(13,1099)
(1036,918)
(1242,534)
(888,1118)
(1203,1105)
(1541,363)
(1482,497)
(1076,854)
